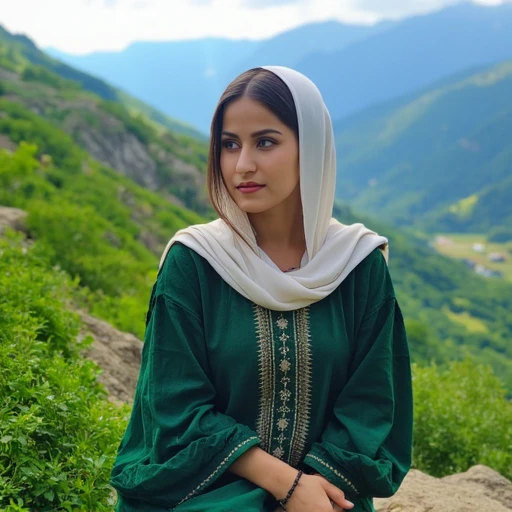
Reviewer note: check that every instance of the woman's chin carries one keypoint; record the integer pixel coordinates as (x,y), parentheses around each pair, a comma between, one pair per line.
(253,208)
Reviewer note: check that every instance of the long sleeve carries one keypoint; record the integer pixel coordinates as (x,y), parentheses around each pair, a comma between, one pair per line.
(176,443)
(365,448)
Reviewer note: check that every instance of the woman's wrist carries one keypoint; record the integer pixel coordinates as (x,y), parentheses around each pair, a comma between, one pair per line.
(265,471)
(281,482)
(285,500)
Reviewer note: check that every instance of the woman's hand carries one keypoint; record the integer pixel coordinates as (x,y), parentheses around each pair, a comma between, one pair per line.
(314,494)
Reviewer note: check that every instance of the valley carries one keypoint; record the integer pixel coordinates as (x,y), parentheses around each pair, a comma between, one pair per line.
(476,252)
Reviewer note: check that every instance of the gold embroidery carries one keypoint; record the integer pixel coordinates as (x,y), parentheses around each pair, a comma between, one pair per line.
(219,467)
(285,373)
(335,471)
(267,375)
(303,386)
(285,395)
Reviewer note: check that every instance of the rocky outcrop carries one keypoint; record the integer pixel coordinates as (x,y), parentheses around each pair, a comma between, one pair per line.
(12,218)
(108,141)
(479,488)
(6,142)
(117,353)
(107,138)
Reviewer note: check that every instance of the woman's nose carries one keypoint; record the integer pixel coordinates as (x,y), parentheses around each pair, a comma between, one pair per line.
(245,162)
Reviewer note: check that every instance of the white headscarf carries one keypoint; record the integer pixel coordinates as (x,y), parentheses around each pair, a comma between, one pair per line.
(333,250)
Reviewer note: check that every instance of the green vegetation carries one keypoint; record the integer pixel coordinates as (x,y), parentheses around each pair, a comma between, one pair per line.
(44,76)
(91,220)
(58,433)
(462,418)
(16,52)
(501,234)
(79,103)
(180,159)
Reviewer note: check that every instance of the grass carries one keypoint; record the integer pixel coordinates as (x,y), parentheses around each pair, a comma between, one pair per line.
(472,324)
(460,246)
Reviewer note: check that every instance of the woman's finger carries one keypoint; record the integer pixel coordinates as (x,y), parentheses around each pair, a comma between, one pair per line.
(338,497)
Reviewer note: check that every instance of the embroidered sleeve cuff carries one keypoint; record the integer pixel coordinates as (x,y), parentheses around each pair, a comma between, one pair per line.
(220,465)
(320,462)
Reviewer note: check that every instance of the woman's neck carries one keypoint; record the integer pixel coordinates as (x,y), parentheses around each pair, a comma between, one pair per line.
(280,234)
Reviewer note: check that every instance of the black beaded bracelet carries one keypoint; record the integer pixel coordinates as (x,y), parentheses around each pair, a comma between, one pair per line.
(284,501)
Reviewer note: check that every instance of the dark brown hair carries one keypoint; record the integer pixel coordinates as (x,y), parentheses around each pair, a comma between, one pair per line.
(260,85)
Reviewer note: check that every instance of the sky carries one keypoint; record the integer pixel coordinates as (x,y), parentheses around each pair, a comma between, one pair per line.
(85,26)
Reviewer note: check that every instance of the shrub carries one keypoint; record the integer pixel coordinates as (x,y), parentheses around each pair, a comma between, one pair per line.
(58,433)
(462,418)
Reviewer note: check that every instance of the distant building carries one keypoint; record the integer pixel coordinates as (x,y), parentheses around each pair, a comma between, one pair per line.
(497,257)
(478,247)
(487,272)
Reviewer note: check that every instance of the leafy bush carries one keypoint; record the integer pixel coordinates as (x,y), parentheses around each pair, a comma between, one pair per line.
(58,433)
(462,418)
(22,125)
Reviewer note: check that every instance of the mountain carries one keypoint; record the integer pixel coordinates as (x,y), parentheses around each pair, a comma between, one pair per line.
(439,158)
(186,78)
(411,55)
(183,77)
(290,47)
(354,66)
(127,137)
(15,48)
(107,231)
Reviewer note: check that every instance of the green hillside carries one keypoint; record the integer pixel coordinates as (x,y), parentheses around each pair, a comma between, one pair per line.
(439,159)
(98,226)
(15,48)
(487,211)
(125,138)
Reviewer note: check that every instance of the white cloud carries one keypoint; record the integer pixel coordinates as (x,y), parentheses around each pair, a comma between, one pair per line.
(262,4)
(81,26)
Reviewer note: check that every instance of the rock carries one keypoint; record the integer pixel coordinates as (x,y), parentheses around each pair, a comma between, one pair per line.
(13,218)
(6,142)
(492,484)
(117,353)
(113,145)
(8,75)
(479,488)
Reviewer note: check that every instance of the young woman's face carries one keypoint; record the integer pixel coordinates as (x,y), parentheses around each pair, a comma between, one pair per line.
(259,158)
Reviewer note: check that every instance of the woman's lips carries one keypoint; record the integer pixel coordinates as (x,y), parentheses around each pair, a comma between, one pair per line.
(249,189)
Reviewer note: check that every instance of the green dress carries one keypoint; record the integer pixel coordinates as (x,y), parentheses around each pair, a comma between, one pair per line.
(326,388)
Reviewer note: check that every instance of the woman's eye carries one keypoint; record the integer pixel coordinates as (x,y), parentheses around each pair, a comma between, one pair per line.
(229,144)
(266,143)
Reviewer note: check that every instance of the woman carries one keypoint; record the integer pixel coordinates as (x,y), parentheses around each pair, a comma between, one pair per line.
(275,371)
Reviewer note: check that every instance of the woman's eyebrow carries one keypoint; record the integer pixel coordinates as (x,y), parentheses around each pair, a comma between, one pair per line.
(255,134)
